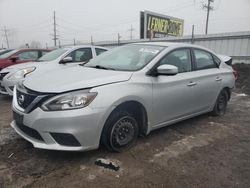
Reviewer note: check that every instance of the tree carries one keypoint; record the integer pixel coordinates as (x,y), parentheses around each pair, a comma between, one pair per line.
(35,44)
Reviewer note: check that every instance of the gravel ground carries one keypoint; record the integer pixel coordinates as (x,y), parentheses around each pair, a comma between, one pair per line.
(205,151)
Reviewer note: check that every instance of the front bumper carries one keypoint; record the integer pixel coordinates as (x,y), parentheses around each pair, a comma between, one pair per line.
(85,125)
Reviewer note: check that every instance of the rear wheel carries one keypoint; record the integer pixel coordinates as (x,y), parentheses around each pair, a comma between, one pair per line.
(221,104)
(120,131)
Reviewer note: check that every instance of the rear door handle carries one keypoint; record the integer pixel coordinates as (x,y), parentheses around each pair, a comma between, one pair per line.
(191,84)
(218,79)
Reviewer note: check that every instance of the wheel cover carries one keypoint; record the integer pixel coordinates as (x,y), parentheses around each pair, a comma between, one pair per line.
(123,132)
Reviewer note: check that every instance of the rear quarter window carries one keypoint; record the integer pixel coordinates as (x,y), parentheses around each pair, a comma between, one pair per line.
(99,51)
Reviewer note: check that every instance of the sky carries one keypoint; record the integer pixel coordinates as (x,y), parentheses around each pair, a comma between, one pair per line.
(32,20)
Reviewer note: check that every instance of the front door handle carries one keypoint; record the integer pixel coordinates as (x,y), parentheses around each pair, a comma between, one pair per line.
(218,79)
(192,84)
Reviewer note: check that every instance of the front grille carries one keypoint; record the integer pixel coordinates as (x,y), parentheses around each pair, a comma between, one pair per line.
(28,99)
(65,139)
(2,75)
(24,99)
(30,132)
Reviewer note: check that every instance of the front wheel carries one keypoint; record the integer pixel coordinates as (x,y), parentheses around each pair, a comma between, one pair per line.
(221,104)
(120,132)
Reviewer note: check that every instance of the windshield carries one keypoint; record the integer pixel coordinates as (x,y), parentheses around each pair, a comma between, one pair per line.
(126,58)
(6,55)
(53,55)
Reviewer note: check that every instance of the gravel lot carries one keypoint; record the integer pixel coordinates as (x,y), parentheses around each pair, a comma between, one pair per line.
(205,151)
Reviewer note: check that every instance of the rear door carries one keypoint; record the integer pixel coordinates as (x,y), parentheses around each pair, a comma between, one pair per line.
(173,95)
(207,78)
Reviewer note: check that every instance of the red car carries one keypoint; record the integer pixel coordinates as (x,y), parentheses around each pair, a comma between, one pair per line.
(21,56)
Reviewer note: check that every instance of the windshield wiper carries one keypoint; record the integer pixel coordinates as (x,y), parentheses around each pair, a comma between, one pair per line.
(102,67)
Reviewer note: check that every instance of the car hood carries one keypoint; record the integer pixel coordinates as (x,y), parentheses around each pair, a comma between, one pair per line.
(38,65)
(74,78)
(14,68)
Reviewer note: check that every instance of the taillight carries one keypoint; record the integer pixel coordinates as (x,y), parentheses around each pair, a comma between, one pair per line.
(235,73)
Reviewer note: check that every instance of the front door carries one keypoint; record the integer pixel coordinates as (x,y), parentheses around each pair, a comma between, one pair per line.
(173,96)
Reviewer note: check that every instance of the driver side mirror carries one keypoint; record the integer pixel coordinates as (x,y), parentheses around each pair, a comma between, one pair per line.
(66,60)
(167,70)
(14,59)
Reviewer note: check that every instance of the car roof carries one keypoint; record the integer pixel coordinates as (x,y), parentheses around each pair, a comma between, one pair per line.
(83,46)
(174,44)
(168,44)
(27,49)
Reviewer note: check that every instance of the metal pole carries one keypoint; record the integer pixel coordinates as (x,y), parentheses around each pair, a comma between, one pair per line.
(192,40)
(91,39)
(131,32)
(118,38)
(55,28)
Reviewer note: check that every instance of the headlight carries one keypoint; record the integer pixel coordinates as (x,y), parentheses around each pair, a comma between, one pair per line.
(21,73)
(69,101)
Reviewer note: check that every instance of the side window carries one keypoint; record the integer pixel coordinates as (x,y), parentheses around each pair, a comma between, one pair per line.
(28,55)
(99,51)
(44,52)
(204,60)
(179,58)
(79,55)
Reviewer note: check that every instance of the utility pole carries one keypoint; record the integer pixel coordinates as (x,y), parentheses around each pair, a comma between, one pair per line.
(131,32)
(118,37)
(55,35)
(74,42)
(6,36)
(208,7)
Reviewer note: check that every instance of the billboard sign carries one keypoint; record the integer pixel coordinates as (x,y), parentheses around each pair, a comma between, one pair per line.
(154,25)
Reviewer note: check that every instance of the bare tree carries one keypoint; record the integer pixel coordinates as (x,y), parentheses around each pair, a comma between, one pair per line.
(35,44)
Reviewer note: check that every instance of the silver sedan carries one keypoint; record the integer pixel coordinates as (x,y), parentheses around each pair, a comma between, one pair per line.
(128,91)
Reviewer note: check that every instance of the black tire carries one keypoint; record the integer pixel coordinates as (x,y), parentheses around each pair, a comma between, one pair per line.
(120,132)
(221,104)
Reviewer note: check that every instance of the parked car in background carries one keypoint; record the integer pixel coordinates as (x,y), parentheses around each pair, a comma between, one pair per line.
(128,91)
(20,56)
(4,51)
(57,59)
